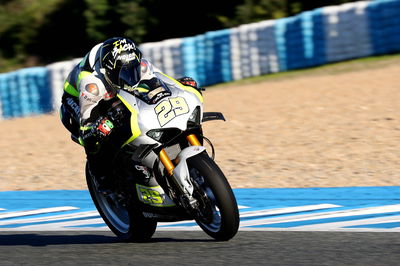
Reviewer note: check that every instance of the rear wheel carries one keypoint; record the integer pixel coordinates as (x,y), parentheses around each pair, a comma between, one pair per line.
(218,213)
(119,214)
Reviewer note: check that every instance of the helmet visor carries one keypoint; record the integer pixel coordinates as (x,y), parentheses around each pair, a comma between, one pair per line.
(129,75)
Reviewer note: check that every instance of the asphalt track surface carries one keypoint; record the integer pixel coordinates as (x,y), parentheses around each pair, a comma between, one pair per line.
(196,248)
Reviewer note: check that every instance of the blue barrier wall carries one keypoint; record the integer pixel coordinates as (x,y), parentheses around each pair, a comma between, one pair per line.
(25,92)
(384,26)
(312,38)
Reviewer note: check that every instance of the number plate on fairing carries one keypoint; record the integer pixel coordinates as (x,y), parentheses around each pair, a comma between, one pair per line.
(171,108)
(154,196)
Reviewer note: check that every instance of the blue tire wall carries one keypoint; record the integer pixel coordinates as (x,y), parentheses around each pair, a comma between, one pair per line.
(312,38)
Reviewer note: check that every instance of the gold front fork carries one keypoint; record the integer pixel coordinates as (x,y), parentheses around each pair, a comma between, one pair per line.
(193,140)
(166,161)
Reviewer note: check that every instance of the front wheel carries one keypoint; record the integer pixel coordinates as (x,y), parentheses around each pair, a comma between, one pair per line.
(218,213)
(119,214)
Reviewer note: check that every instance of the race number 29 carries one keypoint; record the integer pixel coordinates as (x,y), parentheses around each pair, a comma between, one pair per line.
(171,108)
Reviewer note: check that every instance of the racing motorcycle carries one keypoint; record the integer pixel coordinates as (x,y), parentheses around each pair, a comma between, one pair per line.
(180,180)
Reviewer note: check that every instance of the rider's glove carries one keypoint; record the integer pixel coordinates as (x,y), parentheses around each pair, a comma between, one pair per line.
(102,127)
(116,115)
(188,81)
(94,134)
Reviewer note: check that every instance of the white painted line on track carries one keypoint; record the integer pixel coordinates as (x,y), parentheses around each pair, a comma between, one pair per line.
(277,211)
(91,220)
(326,215)
(288,210)
(33,212)
(62,226)
(296,229)
(77,215)
(337,225)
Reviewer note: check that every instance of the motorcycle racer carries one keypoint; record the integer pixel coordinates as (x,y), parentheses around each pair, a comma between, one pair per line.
(90,109)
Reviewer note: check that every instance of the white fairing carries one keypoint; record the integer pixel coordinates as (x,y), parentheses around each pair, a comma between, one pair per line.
(181,171)
(172,111)
(169,112)
(129,98)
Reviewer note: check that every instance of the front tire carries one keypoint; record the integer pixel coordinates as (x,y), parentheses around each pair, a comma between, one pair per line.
(218,213)
(121,217)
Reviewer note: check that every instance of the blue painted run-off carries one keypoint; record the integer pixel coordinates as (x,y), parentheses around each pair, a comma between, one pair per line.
(338,200)
(254,197)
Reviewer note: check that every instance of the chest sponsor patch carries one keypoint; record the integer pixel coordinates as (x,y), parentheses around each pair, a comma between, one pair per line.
(92,88)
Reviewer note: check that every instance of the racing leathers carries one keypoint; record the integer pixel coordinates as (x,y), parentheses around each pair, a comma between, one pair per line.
(95,110)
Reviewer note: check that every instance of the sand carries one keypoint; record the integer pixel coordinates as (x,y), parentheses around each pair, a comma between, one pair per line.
(329,130)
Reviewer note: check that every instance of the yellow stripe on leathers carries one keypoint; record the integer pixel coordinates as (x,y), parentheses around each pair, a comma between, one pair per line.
(71,89)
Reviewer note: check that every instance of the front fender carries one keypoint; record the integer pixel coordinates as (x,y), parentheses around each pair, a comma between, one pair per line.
(181,171)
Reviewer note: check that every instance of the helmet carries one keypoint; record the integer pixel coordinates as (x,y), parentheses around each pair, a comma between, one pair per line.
(120,62)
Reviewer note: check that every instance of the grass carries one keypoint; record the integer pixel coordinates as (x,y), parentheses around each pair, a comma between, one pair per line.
(373,62)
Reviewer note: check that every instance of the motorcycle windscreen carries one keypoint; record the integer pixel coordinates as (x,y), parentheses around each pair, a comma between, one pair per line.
(152,90)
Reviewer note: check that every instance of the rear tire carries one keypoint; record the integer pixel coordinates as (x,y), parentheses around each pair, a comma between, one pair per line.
(218,212)
(124,221)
